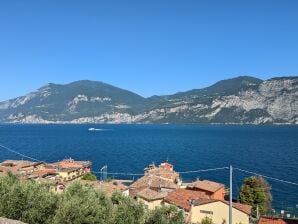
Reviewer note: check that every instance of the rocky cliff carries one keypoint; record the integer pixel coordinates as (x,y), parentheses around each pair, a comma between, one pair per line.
(241,100)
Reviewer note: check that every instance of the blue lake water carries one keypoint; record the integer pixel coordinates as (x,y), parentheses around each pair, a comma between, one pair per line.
(269,150)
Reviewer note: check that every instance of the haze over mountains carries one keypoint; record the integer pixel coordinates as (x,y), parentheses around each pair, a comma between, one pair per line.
(241,100)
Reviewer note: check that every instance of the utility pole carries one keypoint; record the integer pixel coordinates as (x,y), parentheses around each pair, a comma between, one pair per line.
(231,196)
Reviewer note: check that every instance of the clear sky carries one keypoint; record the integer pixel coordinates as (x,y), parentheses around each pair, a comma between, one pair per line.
(146,46)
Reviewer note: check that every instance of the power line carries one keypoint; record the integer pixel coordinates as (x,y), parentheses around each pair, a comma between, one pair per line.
(20,154)
(182,172)
(205,170)
(271,178)
(122,174)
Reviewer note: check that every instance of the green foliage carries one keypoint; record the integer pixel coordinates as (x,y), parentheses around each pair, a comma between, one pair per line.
(26,201)
(83,204)
(55,106)
(109,180)
(32,202)
(89,177)
(165,215)
(127,210)
(255,191)
(206,220)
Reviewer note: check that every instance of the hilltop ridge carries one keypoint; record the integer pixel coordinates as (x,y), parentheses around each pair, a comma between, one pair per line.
(240,100)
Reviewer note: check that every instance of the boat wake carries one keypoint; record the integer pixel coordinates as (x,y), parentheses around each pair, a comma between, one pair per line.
(97,129)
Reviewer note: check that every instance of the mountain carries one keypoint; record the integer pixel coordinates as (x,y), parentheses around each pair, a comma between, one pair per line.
(241,100)
(67,102)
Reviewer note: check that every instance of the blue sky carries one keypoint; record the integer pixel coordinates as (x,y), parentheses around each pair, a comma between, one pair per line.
(149,47)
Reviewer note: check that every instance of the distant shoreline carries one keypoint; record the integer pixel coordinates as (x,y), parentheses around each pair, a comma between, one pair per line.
(178,124)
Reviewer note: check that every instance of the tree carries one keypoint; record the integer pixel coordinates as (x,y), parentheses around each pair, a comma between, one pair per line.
(89,176)
(165,215)
(40,203)
(127,210)
(83,204)
(255,191)
(206,220)
(26,201)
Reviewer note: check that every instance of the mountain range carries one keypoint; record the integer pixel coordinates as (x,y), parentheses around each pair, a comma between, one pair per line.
(240,100)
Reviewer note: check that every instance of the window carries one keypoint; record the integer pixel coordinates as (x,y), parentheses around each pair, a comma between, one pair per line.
(206,212)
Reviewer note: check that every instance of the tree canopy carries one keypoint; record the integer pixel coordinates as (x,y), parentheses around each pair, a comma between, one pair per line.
(33,202)
(89,176)
(255,191)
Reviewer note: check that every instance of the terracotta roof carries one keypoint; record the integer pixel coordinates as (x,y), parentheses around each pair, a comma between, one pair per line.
(166,165)
(33,164)
(183,197)
(16,163)
(151,195)
(70,163)
(153,181)
(207,185)
(134,191)
(44,172)
(273,220)
(14,166)
(164,173)
(241,207)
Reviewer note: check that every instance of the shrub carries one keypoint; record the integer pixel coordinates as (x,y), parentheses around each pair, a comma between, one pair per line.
(89,176)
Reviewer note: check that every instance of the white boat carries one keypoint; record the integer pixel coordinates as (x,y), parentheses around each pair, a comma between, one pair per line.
(94,129)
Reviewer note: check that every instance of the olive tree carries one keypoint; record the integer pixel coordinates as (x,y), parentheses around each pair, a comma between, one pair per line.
(27,201)
(127,210)
(166,215)
(83,204)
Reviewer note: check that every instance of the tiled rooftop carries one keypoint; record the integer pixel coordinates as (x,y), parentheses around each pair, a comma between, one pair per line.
(44,172)
(151,195)
(207,185)
(241,207)
(273,220)
(164,173)
(153,181)
(183,197)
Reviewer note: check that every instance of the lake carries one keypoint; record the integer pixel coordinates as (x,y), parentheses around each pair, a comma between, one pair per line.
(269,150)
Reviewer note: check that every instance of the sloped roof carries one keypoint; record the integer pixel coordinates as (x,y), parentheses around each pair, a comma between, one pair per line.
(153,181)
(14,165)
(244,208)
(241,207)
(274,220)
(164,173)
(151,195)
(70,163)
(207,185)
(166,165)
(44,172)
(183,197)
